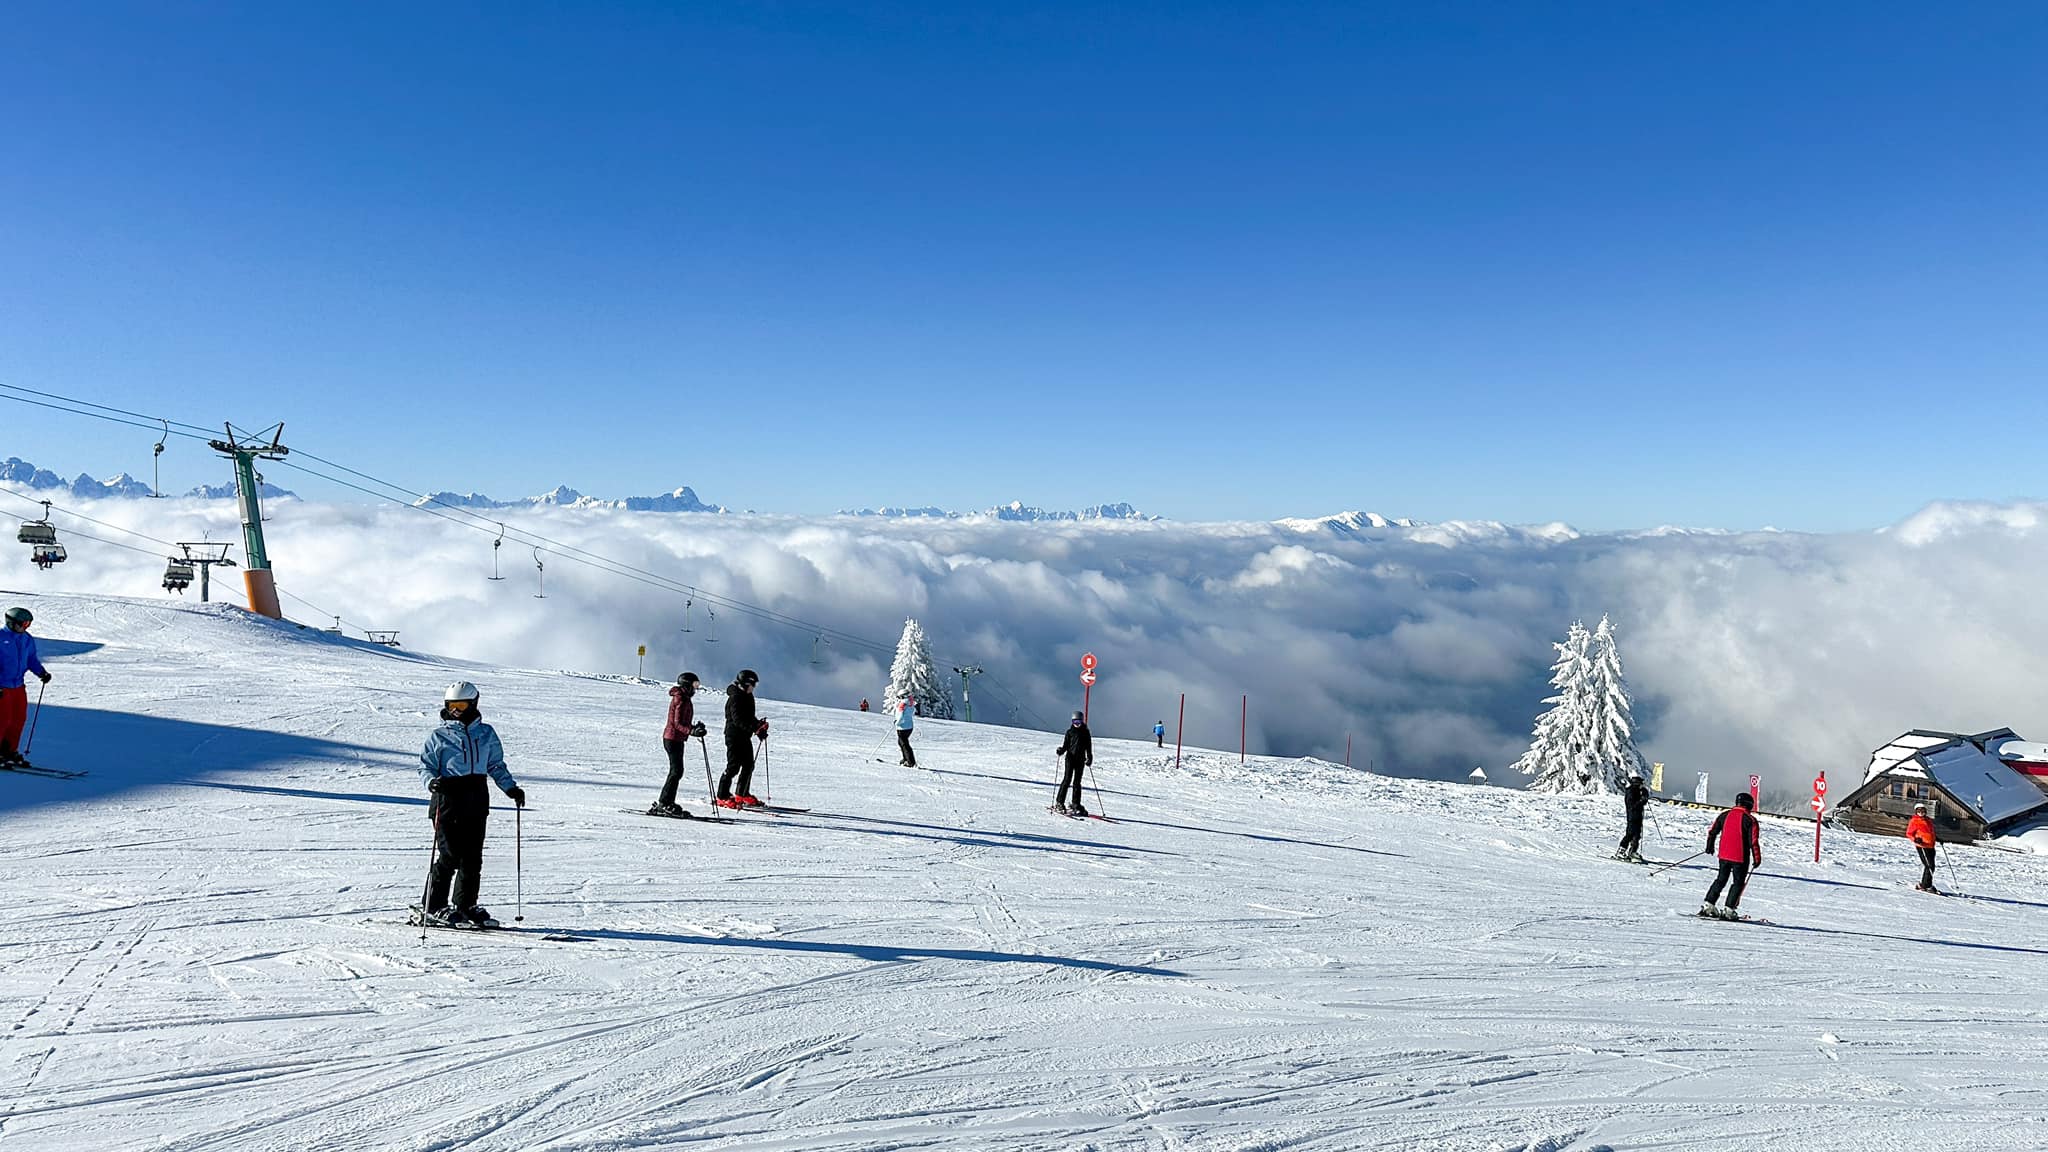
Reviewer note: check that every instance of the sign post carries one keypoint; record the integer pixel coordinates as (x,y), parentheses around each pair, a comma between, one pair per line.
(1087,682)
(1244,712)
(1820,790)
(643,661)
(1755,785)
(1180,729)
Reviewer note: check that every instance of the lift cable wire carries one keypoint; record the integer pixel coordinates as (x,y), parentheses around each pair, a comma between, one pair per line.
(474,521)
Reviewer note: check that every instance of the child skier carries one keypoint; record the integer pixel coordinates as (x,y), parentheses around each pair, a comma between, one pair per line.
(1159,733)
(1634,799)
(17,659)
(1920,830)
(458,756)
(1078,751)
(742,728)
(675,740)
(1740,849)
(906,719)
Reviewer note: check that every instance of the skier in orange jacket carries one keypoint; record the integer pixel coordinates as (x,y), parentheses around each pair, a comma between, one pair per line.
(1920,830)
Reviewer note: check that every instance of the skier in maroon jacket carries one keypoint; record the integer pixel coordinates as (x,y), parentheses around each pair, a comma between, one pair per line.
(675,740)
(1734,839)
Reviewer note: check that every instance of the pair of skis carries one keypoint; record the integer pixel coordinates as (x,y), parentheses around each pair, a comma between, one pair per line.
(27,769)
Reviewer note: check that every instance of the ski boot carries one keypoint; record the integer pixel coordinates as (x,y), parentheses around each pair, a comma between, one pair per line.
(676,811)
(728,802)
(439,918)
(478,915)
(1707,912)
(1077,810)
(747,800)
(1729,914)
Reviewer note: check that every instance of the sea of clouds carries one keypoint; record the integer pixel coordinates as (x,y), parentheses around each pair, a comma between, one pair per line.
(1428,647)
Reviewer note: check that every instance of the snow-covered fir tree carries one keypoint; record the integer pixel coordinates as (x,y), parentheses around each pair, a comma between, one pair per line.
(1560,752)
(1614,754)
(913,676)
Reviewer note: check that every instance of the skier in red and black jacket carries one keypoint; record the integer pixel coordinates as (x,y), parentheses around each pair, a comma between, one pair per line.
(1735,840)
(675,740)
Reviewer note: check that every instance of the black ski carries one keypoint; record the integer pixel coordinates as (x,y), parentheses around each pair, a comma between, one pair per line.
(686,816)
(38,770)
(784,810)
(495,928)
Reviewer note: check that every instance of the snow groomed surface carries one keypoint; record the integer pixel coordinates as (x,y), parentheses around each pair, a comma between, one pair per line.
(203,944)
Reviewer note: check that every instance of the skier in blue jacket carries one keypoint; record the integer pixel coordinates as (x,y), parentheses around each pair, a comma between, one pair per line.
(17,659)
(906,719)
(458,757)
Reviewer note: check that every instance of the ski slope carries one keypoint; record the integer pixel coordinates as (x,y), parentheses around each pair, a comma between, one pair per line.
(201,946)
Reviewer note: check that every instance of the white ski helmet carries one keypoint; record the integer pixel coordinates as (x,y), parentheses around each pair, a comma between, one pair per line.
(460,690)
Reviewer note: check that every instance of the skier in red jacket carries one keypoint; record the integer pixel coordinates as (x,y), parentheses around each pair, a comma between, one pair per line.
(1920,830)
(1734,839)
(675,740)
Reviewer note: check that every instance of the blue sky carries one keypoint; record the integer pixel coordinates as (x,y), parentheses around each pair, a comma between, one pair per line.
(1619,264)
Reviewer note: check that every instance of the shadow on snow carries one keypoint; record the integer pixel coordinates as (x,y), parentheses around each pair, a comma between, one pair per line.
(986,837)
(876,953)
(1908,939)
(126,750)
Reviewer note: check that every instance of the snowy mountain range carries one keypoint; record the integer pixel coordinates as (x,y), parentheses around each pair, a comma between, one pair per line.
(563,496)
(1015,510)
(18,471)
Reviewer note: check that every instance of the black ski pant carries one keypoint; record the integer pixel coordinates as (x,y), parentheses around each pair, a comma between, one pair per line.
(1926,867)
(1632,839)
(459,811)
(677,751)
(739,764)
(903,746)
(1162,741)
(1734,874)
(1070,777)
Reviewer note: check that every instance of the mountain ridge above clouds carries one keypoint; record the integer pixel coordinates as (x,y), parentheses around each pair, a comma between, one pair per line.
(15,470)
(1016,511)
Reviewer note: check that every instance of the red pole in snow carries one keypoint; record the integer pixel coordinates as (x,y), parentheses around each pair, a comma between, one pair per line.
(1347,749)
(1085,689)
(1244,712)
(1180,727)
(1820,789)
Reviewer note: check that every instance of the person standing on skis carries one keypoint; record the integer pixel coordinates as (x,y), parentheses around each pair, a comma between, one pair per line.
(1159,733)
(742,728)
(906,719)
(675,740)
(17,659)
(1735,839)
(459,756)
(1920,830)
(1634,799)
(1078,752)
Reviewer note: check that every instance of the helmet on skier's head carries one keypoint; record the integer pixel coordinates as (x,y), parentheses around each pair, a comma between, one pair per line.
(686,680)
(460,692)
(1919,807)
(1078,718)
(747,678)
(20,615)
(1635,773)
(1745,800)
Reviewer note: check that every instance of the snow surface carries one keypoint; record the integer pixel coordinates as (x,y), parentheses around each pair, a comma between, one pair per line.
(201,947)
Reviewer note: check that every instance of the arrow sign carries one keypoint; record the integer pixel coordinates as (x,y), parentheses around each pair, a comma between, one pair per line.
(1088,661)
(1088,678)
(1817,803)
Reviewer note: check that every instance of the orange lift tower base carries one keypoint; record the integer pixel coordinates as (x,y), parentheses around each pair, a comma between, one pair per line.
(245,450)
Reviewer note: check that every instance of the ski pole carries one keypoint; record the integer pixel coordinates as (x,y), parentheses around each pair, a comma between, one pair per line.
(1098,791)
(32,719)
(1661,837)
(433,847)
(518,864)
(710,789)
(1945,859)
(1676,863)
(766,785)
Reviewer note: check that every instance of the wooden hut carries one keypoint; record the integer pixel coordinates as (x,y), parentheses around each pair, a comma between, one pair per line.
(1969,791)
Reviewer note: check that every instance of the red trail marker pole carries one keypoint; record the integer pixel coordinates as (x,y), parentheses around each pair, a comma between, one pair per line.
(1820,789)
(1179,728)
(1347,749)
(1244,712)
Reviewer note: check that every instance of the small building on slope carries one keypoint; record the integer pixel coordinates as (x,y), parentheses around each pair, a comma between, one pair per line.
(1970,790)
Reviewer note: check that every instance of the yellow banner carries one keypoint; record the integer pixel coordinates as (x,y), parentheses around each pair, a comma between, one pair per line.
(1656,777)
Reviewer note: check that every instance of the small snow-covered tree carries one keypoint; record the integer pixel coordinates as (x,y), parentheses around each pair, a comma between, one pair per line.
(914,677)
(1559,754)
(1614,754)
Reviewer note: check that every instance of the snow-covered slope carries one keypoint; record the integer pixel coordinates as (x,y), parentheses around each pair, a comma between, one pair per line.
(201,949)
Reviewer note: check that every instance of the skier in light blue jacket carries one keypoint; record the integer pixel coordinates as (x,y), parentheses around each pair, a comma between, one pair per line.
(17,659)
(459,756)
(906,719)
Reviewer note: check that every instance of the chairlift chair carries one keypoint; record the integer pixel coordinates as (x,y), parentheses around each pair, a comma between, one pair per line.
(45,555)
(38,531)
(178,575)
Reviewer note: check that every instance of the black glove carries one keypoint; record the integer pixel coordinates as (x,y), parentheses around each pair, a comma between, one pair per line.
(517,794)
(697,729)
(761,729)
(434,785)
(45,676)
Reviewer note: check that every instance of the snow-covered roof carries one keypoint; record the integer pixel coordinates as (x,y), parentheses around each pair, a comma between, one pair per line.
(1982,782)
(1903,749)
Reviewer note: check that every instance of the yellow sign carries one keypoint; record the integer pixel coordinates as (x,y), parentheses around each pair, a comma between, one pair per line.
(1656,777)
(643,649)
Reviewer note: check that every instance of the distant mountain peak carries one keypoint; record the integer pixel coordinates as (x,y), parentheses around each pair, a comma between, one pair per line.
(1349,522)
(562,496)
(1016,511)
(15,470)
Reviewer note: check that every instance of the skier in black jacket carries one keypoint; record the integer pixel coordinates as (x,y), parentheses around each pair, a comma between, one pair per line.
(1079,753)
(742,728)
(1634,799)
